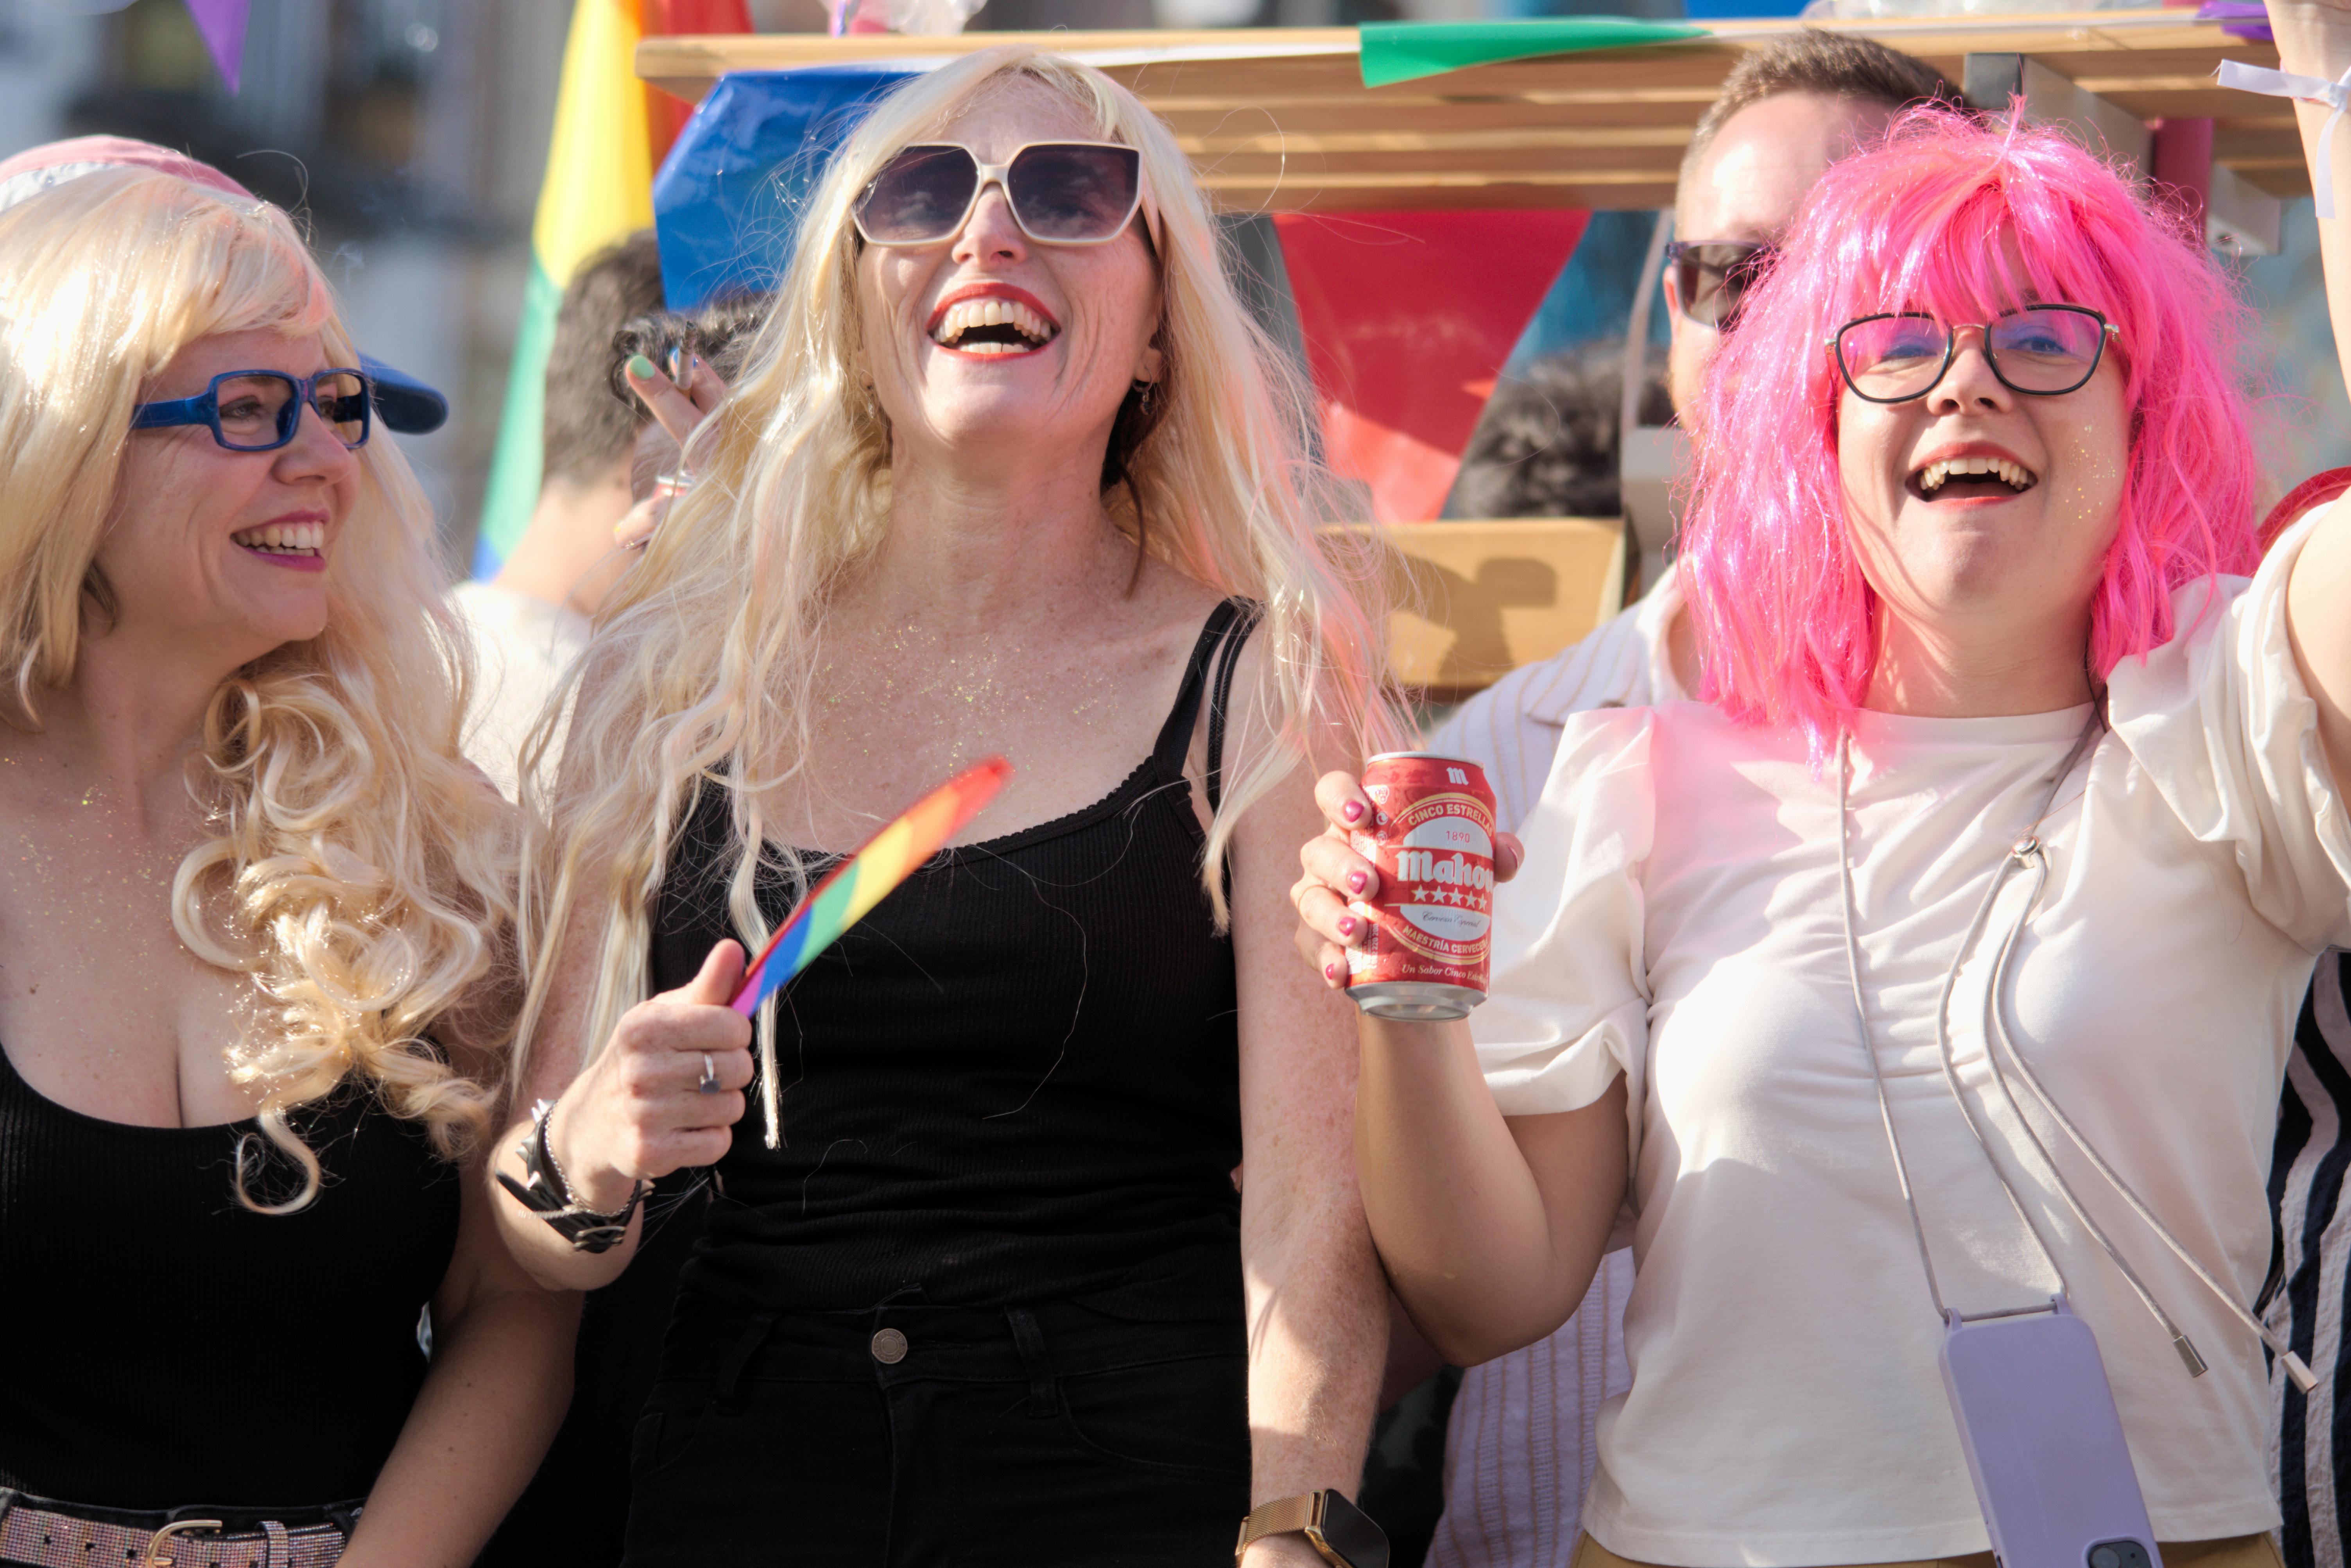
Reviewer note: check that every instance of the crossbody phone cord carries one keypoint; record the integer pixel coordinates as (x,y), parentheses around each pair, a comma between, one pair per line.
(2029,852)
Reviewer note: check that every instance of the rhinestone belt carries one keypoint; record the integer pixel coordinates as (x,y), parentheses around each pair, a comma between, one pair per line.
(39,1538)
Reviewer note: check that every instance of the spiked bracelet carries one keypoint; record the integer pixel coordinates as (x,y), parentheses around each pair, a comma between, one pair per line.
(545,1193)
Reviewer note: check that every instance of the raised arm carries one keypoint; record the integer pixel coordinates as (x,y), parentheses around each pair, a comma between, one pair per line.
(2314,40)
(1490,1228)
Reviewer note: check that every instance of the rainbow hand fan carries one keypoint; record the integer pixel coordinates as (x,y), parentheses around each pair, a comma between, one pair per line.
(855,886)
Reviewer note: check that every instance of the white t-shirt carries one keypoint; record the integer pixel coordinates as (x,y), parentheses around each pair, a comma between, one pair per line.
(1521,1441)
(522,645)
(1678,921)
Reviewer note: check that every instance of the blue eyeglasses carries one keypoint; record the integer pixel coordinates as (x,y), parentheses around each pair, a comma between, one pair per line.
(261,411)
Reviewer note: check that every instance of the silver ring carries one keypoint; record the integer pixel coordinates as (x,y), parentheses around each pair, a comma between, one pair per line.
(709,1083)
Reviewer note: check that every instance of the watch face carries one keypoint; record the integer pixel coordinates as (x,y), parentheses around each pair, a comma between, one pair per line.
(1349,1532)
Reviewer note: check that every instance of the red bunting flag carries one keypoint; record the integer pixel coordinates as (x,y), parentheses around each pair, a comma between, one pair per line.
(666,116)
(1408,317)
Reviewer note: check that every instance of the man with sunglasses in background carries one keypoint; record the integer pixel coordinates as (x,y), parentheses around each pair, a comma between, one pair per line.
(1521,1432)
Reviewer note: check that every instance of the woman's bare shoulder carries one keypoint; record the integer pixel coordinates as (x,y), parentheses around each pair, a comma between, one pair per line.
(1170,601)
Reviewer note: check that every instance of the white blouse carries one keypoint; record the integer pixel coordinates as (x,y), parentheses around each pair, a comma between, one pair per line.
(1678,921)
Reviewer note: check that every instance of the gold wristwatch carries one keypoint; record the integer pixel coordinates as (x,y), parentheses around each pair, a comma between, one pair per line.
(1342,1534)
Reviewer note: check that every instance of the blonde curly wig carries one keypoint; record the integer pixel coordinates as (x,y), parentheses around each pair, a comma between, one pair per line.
(355,867)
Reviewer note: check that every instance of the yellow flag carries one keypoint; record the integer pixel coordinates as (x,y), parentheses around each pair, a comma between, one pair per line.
(598,191)
(600,174)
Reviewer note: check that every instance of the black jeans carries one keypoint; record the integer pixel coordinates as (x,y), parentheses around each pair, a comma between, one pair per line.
(915,1437)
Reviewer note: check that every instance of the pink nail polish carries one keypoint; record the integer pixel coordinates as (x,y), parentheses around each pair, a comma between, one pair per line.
(1355,881)
(1353,810)
(1346,925)
(1330,971)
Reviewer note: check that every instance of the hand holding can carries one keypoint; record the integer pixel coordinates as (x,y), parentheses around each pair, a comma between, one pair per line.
(1431,837)
(1397,897)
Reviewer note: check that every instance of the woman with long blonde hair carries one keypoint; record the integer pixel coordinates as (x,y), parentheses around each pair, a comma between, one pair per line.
(1009,471)
(254,925)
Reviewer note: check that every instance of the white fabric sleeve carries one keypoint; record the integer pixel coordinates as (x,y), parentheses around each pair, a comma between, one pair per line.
(2219,720)
(1569,1007)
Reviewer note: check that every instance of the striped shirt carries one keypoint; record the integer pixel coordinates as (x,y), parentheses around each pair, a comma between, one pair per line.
(1520,1446)
(2306,1182)
(2311,1439)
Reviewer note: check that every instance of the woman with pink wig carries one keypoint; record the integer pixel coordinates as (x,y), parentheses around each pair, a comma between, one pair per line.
(1933,977)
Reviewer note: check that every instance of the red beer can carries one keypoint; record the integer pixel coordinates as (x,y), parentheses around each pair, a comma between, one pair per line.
(1432,837)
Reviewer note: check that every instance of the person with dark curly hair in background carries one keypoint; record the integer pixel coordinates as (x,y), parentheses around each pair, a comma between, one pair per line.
(1546,445)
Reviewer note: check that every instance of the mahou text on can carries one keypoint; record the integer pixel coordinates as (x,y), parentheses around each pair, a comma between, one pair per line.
(1431,836)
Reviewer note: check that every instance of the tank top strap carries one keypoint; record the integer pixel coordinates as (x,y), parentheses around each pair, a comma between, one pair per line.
(1176,735)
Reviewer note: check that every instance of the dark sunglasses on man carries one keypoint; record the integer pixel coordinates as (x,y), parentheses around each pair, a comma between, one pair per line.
(1714,276)
(261,411)
(1060,193)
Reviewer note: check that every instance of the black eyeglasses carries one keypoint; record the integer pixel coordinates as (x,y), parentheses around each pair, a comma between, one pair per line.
(1060,193)
(2042,351)
(261,411)
(1714,276)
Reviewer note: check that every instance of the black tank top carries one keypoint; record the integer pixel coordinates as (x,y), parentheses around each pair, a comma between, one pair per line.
(166,1346)
(1017,1079)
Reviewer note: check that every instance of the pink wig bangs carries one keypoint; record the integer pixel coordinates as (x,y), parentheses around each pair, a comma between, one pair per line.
(1784,616)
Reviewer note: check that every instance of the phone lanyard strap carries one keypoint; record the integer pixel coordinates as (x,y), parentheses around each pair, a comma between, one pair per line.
(2027,853)
(2015,857)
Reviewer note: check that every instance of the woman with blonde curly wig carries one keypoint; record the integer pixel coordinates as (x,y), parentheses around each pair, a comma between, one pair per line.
(253,911)
(1009,471)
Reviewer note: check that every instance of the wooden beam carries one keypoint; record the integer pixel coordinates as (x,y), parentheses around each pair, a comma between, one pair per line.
(1507,144)
(2072,45)
(1278,118)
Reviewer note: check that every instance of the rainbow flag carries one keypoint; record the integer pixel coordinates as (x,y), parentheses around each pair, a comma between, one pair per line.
(854,887)
(598,191)
(865,878)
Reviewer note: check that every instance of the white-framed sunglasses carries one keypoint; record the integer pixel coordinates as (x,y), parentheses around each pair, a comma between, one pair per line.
(1059,193)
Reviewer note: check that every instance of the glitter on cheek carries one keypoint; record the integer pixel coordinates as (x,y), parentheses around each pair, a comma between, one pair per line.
(2097,471)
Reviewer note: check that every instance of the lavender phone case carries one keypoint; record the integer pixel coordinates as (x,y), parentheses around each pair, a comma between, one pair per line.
(2043,1444)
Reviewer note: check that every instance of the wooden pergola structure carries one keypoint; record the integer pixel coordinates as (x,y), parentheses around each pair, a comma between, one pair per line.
(1279,120)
